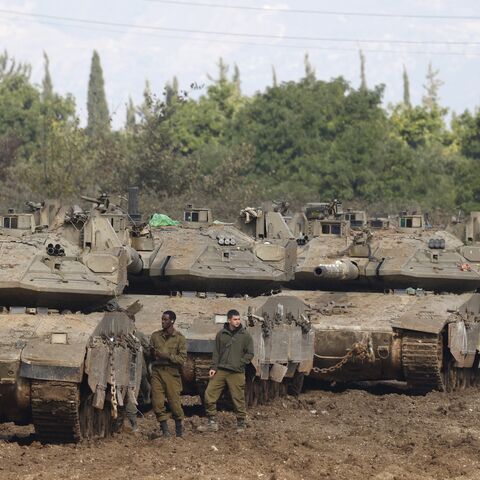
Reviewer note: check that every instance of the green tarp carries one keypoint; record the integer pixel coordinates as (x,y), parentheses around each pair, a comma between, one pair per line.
(161,220)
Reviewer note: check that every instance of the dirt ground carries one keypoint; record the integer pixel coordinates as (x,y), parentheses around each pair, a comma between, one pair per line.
(352,434)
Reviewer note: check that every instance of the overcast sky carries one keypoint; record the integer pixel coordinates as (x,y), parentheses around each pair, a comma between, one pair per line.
(130,55)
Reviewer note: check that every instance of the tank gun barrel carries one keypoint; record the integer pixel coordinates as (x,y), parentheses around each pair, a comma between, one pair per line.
(339,270)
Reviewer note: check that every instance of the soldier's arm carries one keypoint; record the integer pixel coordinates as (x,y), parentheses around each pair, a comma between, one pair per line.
(150,352)
(180,357)
(248,351)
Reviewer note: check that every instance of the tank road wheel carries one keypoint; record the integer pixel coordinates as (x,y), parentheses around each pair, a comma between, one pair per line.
(62,415)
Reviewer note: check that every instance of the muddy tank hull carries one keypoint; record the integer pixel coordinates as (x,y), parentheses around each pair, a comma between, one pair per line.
(67,374)
(17,296)
(376,337)
(196,283)
(308,280)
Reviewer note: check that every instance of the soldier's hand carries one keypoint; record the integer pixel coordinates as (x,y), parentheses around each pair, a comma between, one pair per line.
(211,373)
(163,356)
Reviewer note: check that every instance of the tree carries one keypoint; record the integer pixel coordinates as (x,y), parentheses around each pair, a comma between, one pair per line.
(236,78)
(309,70)
(97,108)
(47,85)
(130,115)
(431,87)
(406,89)
(363,78)
(274,77)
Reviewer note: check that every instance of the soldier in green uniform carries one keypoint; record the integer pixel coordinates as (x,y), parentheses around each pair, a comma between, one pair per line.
(169,352)
(233,350)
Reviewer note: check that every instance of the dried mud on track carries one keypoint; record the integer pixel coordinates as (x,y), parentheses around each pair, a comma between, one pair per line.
(352,434)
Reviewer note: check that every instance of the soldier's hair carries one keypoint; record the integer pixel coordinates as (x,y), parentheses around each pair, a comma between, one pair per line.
(233,313)
(171,315)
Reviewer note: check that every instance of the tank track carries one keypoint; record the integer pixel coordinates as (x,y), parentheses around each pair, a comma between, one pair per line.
(422,355)
(56,411)
(62,415)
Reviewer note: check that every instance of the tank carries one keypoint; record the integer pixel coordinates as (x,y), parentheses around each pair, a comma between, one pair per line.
(60,257)
(63,367)
(333,256)
(206,256)
(428,341)
(67,374)
(280,327)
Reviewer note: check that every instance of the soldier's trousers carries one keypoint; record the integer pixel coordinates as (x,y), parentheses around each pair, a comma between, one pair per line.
(235,382)
(166,385)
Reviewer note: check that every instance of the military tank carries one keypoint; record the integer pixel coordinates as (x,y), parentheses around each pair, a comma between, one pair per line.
(206,256)
(429,341)
(67,374)
(280,327)
(60,257)
(406,255)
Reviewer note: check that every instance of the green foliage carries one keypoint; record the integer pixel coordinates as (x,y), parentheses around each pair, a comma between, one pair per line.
(308,140)
(97,107)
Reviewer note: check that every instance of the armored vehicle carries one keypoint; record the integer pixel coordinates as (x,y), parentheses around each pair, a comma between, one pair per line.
(280,327)
(430,341)
(408,255)
(60,257)
(205,256)
(67,374)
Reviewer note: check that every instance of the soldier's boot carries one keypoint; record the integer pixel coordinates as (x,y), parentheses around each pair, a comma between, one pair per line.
(178,428)
(241,426)
(211,426)
(164,428)
(134,425)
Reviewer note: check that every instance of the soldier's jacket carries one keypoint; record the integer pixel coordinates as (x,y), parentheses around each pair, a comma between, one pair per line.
(175,345)
(232,350)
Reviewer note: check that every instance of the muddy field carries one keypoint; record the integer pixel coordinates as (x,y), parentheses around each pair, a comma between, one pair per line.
(350,434)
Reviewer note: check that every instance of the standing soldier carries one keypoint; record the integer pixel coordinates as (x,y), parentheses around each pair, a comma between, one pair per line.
(232,351)
(169,352)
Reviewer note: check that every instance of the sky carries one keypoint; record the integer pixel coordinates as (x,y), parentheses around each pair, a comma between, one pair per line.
(158,39)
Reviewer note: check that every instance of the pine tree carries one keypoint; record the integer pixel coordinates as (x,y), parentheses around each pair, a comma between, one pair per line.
(47,85)
(97,108)
(274,77)
(130,115)
(363,77)
(309,70)
(432,86)
(406,89)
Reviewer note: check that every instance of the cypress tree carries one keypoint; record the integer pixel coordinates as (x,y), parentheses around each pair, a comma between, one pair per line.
(236,78)
(274,77)
(97,108)
(47,85)
(130,120)
(309,70)
(363,77)
(171,91)
(406,88)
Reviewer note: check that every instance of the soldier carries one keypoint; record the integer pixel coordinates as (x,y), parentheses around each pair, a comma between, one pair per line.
(169,352)
(232,351)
